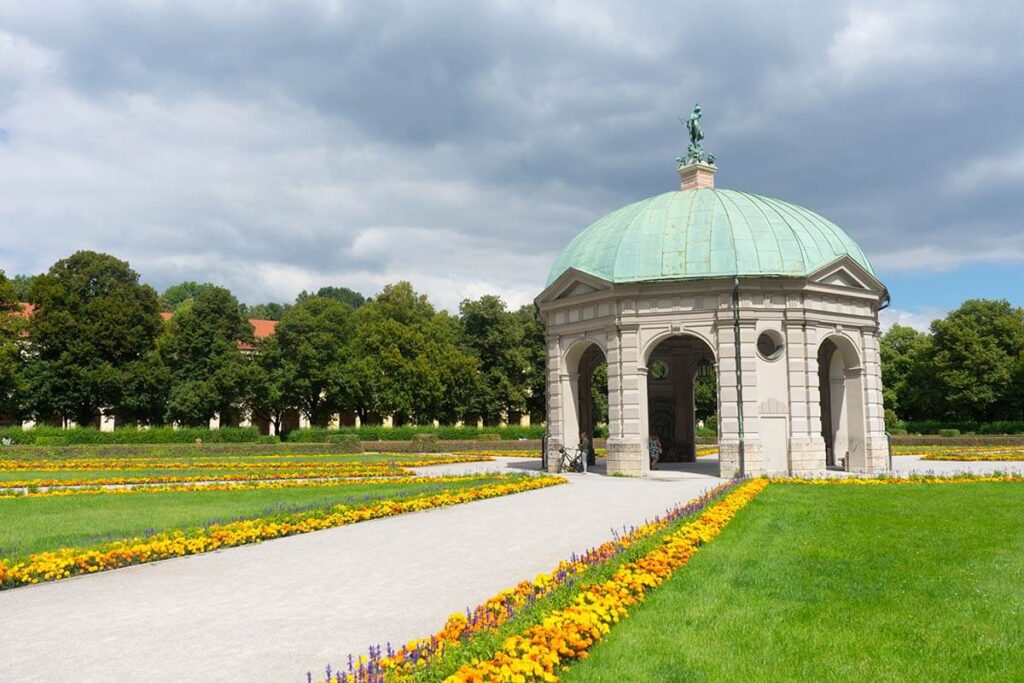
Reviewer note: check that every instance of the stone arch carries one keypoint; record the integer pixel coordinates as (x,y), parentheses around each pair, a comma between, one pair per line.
(577,347)
(669,400)
(662,335)
(580,359)
(842,402)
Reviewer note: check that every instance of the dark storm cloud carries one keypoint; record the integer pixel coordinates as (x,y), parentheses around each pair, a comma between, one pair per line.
(462,144)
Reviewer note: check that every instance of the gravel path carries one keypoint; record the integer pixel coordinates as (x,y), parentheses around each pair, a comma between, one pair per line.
(270,612)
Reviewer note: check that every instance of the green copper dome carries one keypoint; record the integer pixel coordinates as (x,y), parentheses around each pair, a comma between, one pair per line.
(706,233)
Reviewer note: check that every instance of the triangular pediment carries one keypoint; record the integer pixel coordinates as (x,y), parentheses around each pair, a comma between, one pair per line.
(846,272)
(573,283)
(577,289)
(841,278)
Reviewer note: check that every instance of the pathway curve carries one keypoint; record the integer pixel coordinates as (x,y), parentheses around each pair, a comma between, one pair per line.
(270,612)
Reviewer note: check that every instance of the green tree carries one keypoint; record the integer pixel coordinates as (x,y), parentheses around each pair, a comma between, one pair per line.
(496,338)
(705,391)
(12,327)
(209,372)
(93,330)
(268,311)
(268,396)
(22,285)
(176,295)
(344,295)
(313,338)
(906,363)
(977,359)
(404,360)
(535,353)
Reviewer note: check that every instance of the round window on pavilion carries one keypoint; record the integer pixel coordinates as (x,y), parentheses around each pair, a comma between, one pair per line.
(659,369)
(770,345)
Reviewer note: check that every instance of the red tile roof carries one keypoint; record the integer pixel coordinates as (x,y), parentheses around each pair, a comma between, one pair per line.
(261,328)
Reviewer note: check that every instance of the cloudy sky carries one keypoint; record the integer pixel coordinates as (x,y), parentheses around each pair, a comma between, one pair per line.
(272,147)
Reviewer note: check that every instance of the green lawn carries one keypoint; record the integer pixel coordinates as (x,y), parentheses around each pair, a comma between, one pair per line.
(36,524)
(896,583)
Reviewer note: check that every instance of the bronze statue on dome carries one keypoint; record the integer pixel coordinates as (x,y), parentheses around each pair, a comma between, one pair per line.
(695,153)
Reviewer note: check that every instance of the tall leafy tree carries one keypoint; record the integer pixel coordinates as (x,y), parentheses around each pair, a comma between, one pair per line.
(496,338)
(22,285)
(313,338)
(92,334)
(12,328)
(908,381)
(404,360)
(176,295)
(977,352)
(209,373)
(268,311)
(344,295)
(535,351)
(268,397)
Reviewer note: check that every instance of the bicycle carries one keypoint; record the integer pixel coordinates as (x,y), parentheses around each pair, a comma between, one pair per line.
(571,461)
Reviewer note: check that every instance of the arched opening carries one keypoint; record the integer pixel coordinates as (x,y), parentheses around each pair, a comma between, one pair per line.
(841,390)
(588,390)
(682,393)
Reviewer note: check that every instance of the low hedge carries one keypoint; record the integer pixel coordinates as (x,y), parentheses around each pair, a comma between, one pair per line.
(43,435)
(407,433)
(531,446)
(966,440)
(936,427)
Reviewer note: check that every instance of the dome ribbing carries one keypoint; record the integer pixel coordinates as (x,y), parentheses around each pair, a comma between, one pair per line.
(706,233)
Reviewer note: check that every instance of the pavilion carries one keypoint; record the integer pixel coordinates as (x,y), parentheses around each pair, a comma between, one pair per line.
(777,301)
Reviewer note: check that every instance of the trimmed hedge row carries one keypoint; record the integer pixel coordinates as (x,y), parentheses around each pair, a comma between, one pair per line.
(955,428)
(531,446)
(509,433)
(345,437)
(55,436)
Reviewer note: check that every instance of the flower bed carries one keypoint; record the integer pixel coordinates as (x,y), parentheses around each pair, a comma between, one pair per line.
(1002,452)
(890,481)
(1000,455)
(250,472)
(49,566)
(239,486)
(506,605)
(567,634)
(164,464)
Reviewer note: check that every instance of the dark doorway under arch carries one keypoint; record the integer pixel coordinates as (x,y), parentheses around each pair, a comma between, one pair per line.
(675,369)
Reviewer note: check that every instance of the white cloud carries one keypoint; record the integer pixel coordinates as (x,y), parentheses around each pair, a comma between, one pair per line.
(21,59)
(987,172)
(275,148)
(920,319)
(942,258)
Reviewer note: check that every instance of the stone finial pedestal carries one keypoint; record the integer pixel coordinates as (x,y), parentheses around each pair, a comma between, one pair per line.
(696,175)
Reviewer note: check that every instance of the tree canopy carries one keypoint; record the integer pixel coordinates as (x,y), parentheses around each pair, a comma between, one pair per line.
(208,371)
(343,295)
(12,327)
(176,295)
(313,340)
(969,368)
(404,360)
(91,335)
